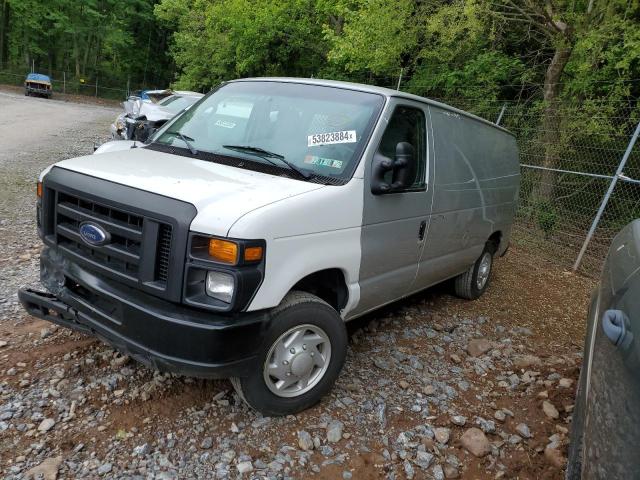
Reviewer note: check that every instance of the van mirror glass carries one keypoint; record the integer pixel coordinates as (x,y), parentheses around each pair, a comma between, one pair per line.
(402,165)
(389,176)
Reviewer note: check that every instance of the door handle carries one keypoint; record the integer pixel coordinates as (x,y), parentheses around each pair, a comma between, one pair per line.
(421,230)
(615,325)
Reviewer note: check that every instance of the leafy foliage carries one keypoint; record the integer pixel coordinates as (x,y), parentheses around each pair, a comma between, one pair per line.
(112,40)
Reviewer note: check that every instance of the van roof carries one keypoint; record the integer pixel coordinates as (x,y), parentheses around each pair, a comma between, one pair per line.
(386,92)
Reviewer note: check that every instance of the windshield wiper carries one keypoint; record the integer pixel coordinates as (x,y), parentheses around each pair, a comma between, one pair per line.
(267,155)
(186,139)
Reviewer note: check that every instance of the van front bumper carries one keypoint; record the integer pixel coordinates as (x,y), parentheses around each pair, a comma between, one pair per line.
(157,333)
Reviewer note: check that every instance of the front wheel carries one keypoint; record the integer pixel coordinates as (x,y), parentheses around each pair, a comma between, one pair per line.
(300,359)
(472,283)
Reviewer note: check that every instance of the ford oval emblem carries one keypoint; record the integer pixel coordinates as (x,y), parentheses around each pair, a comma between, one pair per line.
(93,234)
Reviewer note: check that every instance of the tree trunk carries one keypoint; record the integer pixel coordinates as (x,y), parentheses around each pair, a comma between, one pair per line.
(4,13)
(76,54)
(85,59)
(543,192)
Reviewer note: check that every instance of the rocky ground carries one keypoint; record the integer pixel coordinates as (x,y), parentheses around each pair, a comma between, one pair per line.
(434,387)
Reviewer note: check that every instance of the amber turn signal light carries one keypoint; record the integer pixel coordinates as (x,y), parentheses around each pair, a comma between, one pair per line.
(39,190)
(253,254)
(223,251)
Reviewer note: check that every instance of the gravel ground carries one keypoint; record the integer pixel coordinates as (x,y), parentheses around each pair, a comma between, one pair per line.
(434,387)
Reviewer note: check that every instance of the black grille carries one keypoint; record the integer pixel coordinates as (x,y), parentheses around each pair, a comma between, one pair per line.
(148,233)
(163,253)
(127,231)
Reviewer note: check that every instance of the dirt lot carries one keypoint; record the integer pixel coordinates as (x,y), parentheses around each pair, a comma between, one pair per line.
(433,386)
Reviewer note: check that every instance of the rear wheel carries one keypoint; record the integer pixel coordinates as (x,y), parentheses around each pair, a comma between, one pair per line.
(300,359)
(473,283)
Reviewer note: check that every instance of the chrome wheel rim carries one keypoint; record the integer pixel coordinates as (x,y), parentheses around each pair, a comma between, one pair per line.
(297,361)
(484,269)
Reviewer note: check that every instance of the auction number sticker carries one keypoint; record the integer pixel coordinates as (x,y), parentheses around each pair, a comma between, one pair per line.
(331,138)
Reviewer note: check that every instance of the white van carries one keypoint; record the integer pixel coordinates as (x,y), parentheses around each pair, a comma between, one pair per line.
(238,241)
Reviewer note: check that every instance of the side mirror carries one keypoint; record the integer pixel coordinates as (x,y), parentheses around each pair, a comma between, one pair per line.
(400,166)
(380,166)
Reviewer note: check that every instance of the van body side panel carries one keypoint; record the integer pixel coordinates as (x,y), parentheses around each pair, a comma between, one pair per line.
(475,192)
(390,230)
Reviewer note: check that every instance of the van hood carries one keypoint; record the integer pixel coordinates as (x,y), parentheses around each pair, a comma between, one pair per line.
(220,193)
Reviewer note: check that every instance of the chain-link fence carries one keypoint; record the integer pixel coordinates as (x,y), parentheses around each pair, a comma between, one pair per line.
(69,83)
(576,193)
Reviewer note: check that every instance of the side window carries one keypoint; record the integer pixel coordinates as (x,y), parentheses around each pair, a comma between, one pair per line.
(408,125)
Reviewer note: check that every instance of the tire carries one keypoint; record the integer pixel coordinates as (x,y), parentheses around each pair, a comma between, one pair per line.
(300,316)
(469,284)
(574,458)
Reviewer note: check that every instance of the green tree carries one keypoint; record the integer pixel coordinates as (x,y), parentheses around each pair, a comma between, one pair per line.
(215,41)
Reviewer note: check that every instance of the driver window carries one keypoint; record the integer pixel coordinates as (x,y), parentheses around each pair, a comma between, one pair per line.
(407,124)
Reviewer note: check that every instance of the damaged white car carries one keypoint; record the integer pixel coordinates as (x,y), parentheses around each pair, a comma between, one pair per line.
(145,113)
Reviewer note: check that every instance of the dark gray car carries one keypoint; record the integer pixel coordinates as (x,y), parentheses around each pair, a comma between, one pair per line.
(606,420)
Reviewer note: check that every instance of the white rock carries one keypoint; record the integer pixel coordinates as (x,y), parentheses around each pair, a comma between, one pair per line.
(305,442)
(47,470)
(334,431)
(565,383)
(459,420)
(245,467)
(423,459)
(523,430)
(478,347)
(442,435)
(475,442)
(550,410)
(46,424)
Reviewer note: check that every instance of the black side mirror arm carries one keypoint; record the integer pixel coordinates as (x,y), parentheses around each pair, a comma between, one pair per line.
(380,166)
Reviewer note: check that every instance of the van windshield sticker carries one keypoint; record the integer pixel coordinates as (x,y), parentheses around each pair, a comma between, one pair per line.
(225,124)
(330,138)
(323,162)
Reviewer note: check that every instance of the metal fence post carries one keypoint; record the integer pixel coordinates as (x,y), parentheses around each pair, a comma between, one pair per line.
(607,195)
(400,79)
(504,107)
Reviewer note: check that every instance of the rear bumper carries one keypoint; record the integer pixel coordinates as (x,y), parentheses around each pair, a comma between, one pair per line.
(155,332)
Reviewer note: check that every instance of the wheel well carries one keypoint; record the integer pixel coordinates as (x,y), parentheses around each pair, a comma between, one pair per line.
(495,239)
(330,285)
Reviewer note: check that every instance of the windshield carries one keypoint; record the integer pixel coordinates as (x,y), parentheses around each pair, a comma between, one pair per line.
(317,130)
(175,104)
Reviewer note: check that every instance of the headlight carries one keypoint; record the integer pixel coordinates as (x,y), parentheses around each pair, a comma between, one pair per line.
(220,286)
